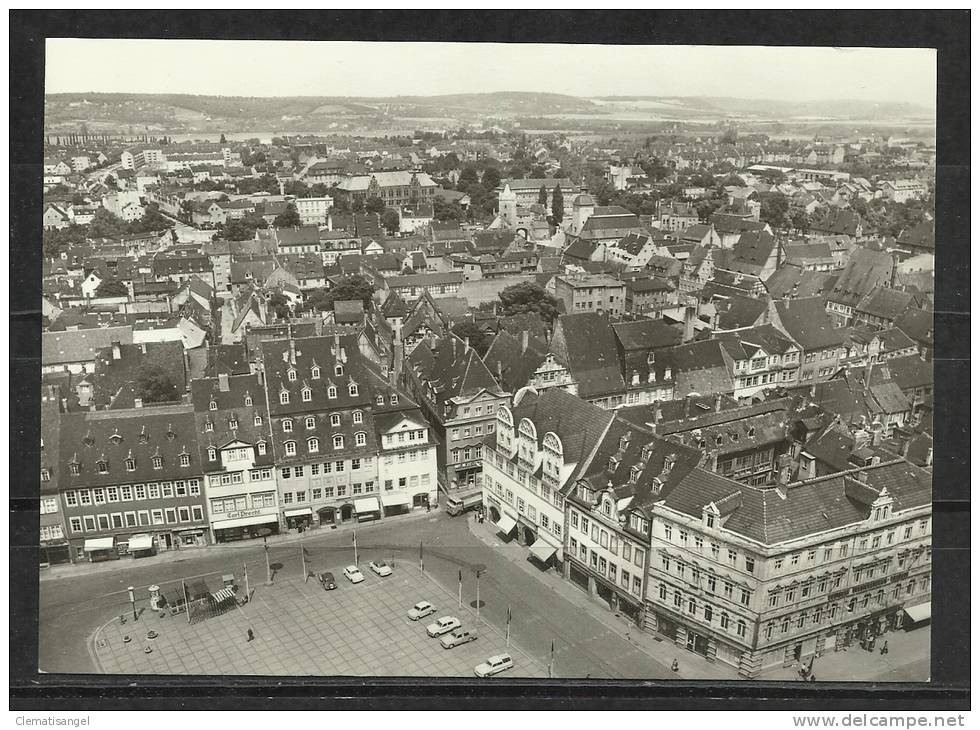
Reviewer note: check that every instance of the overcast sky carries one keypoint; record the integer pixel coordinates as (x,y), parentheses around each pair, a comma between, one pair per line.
(282,68)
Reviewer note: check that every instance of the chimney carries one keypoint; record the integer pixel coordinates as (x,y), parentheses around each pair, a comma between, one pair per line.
(862,476)
(223,382)
(116,350)
(524,336)
(658,413)
(813,390)
(143,347)
(718,403)
(466,346)
(500,372)
(929,457)
(137,402)
(688,401)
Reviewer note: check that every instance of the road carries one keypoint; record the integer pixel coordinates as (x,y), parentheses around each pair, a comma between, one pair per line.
(186,233)
(72,607)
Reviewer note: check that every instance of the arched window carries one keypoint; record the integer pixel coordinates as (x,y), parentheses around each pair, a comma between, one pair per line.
(394,399)
(360,438)
(284,397)
(313,445)
(287,426)
(290,447)
(74,468)
(334,419)
(380,400)
(261,447)
(332,392)
(291,374)
(338,442)
(130,464)
(102,466)
(339,369)
(358,417)
(310,422)
(307,395)
(315,373)
(248,400)
(157,462)
(352,388)
(212,453)
(208,426)
(185,460)
(233,424)
(257,420)
(213,406)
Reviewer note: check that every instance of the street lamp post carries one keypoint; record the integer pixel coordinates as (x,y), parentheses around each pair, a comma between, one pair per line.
(268,567)
(478,572)
(132,601)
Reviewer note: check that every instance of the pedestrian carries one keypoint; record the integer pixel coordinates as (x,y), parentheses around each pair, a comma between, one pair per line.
(884,647)
(813,678)
(251,636)
(674,665)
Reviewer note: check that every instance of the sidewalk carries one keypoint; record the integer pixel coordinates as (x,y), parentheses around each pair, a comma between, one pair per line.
(690,665)
(172,556)
(854,664)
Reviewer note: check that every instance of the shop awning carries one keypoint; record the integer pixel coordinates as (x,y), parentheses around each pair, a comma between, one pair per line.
(543,550)
(506,523)
(298,512)
(368,504)
(100,543)
(396,500)
(243,521)
(922,612)
(140,542)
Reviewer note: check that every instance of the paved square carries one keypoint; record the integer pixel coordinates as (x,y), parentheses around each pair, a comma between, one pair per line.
(300,629)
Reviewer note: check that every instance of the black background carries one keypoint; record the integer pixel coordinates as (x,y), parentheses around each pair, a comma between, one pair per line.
(947,31)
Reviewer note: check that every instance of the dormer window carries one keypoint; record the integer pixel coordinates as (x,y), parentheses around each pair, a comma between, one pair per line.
(338,370)
(287,426)
(735,437)
(394,399)
(102,466)
(358,417)
(352,388)
(634,474)
(233,424)
(248,400)
(613,464)
(208,426)
(185,460)
(332,391)
(307,395)
(115,439)
(313,445)
(261,447)
(213,406)
(751,431)
(291,375)
(212,453)
(74,468)
(88,440)
(315,372)
(257,420)
(645,453)
(130,464)
(380,400)
(360,438)
(157,462)
(284,397)
(144,437)
(170,434)
(718,440)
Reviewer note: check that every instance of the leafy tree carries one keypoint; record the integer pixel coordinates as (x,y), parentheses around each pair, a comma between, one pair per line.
(528,296)
(733,180)
(390,220)
(800,221)
(280,305)
(112,288)
(491,178)
(477,337)
(467,177)
(374,204)
(154,385)
(350,288)
(729,136)
(444,211)
(774,210)
(543,195)
(357,205)
(289,218)
(223,140)
(318,300)
(557,205)
(706,207)
(244,228)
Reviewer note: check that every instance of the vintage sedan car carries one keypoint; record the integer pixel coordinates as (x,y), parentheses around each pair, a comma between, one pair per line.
(353,574)
(381,568)
(421,610)
(494,665)
(442,626)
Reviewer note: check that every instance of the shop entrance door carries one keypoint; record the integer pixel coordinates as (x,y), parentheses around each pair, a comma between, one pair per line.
(697,643)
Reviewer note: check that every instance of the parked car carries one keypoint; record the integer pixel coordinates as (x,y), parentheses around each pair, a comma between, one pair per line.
(353,574)
(381,568)
(421,610)
(494,665)
(457,637)
(327,581)
(442,626)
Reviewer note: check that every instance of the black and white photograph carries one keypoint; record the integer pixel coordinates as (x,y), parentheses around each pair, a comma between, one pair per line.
(488,361)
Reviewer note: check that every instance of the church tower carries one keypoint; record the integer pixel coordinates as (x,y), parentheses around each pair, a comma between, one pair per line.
(507,202)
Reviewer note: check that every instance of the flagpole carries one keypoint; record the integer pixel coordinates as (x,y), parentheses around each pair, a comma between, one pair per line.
(421,564)
(551,661)
(355,545)
(187,603)
(460,588)
(302,552)
(508,627)
(478,594)
(268,567)
(248,593)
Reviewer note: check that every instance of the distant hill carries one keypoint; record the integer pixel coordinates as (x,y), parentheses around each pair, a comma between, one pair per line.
(190,113)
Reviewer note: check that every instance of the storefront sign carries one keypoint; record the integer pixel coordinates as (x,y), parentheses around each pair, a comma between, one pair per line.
(243,513)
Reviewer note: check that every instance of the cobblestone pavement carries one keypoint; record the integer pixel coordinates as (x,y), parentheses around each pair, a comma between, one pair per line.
(300,629)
